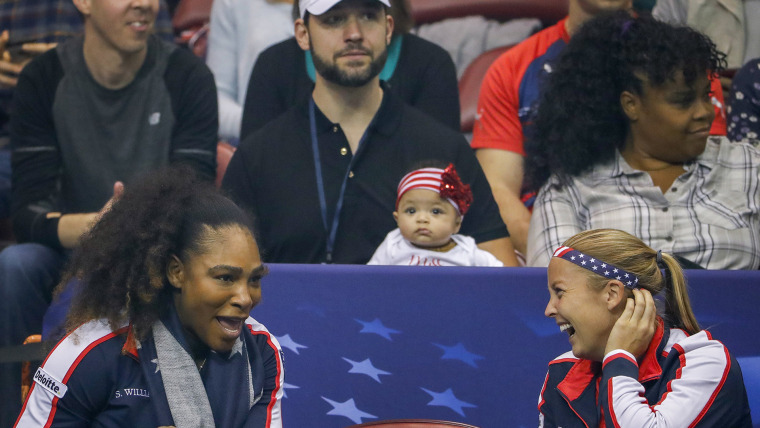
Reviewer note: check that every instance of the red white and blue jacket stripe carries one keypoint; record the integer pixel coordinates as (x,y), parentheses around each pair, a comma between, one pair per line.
(94,378)
(681,381)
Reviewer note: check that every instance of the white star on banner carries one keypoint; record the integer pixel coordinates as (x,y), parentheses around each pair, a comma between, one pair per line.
(448,399)
(459,352)
(365,367)
(348,409)
(287,342)
(155,361)
(286,386)
(376,326)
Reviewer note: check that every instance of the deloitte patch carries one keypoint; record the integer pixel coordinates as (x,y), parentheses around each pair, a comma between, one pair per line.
(50,383)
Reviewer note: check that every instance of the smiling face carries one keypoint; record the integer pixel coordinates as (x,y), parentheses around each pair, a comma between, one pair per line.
(584,313)
(348,42)
(216,289)
(670,122)
(120,25)
(425,219)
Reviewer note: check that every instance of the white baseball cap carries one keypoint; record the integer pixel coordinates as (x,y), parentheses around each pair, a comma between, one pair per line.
(318,7)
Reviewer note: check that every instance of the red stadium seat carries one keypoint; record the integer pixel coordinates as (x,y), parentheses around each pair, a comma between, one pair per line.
(548,11)
(469,85)
(190,24)
(224,152)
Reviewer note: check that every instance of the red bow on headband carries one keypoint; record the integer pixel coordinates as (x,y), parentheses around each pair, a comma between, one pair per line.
(453,188)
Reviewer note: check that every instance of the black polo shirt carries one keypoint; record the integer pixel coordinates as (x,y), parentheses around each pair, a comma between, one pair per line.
(272,175)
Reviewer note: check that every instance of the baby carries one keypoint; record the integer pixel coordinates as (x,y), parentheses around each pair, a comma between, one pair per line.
(430,205)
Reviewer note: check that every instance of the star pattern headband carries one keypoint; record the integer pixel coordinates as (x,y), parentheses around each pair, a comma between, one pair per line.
(597,266)
(445,182)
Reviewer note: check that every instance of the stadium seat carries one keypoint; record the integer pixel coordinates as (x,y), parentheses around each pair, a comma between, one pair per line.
(469,86)
(548,11)
(224,152)
(190,24)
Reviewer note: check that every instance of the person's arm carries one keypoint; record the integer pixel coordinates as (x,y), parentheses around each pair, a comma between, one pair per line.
(193,93)
(438,93)
(504,171)
(71,227)
(694,395)
(267,411)
(502,249)
(35,159)
(11,64)
(222,58)
(89,374)
(553,221)
(483,222)
(498,143)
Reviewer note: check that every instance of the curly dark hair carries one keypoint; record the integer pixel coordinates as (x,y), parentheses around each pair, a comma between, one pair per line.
(580,122)
(121,263)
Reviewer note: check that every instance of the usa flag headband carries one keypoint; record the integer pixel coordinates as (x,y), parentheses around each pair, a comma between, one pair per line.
(445,182)
(597,266)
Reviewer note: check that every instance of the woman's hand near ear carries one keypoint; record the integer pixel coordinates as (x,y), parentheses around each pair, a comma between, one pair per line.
(635,328)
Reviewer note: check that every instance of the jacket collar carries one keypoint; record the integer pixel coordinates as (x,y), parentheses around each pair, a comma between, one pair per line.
(579,387)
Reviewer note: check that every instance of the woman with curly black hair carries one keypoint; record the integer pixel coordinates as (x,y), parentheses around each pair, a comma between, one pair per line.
(623,128)
(159,331)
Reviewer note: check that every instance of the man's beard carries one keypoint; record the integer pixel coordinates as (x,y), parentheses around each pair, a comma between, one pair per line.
(333,73)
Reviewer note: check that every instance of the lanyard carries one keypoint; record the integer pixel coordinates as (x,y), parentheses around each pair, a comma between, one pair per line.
(332,230)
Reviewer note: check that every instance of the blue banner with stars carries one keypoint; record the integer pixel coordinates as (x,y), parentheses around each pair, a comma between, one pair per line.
(367,343)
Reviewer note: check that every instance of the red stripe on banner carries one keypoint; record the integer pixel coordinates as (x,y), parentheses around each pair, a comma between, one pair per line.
(277,386)
(54,405)
(717,390)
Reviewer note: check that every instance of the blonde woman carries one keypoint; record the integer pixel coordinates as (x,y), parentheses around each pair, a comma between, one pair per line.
(632,365)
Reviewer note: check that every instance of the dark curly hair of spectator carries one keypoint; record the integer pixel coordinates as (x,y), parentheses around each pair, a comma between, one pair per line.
(580,121)
(121,263)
